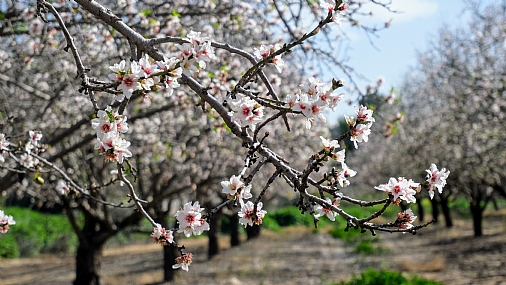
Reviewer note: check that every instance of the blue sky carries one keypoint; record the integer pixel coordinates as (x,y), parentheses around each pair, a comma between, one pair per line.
(411,30)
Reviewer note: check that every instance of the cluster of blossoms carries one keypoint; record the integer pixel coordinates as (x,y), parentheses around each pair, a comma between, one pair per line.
(312,99)
(327,211)
(404,189)
(436,179)
(109,125)
(265,51)
(162,236)
(190,220)
(336,14)
(27,160)
(147,74)
(183,261)
(248,215)
(5,222)
(400,189)
(4,146)
(339,156)
(196,53)
(361,126)
(237,190)
(246,111)
(405,219)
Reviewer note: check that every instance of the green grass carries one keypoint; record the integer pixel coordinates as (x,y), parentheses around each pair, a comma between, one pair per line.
(36,233)
(383,277)
(368,247)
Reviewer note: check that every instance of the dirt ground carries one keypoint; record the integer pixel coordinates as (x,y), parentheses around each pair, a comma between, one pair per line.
(295,256)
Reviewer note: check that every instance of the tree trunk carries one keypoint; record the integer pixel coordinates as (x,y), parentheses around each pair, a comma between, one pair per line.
(169,259)
(253,231)
(477,213)
(421,212)
(446,211)
(169,251)
(435,209)
(213,234)
(234,230)
(88,262)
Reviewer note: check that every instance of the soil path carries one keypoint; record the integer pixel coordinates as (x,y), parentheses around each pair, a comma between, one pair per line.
(294,256)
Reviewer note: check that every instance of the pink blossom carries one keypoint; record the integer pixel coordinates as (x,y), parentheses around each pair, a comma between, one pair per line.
(4,143)
(62,188)
(360,133)
(405,219)
(5,222)
(232,186)
(183,262)
(247,215)
(339,156)
(190,220)
(329,145)
(399,189)
(327,211)
(364,114)
(436,178)
(34,137)
(162,236)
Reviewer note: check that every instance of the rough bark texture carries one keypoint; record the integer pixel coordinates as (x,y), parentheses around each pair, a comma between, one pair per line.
(435,209)
(169,259)
(213,234)
(446,211)
(234,230)
(421,211)
(88,261)
(253,231)
(477,212)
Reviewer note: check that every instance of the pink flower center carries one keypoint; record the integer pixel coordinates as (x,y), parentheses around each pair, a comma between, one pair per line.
(129,81)
(315,109)
(246,111)
(190,219)
(105,128)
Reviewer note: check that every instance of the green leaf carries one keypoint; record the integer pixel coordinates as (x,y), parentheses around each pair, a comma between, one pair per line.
(146,12)
(20,28)
(175,14)
(227,128)
(127,169)
(111,116)
(395,130)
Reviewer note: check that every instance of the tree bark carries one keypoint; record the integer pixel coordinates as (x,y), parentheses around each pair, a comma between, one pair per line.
(477,210)
(446,211)
(169,251)
(88,263)
(169,259)
(253,231)
(421,212)
(435,209)
(213,234)
(477,220)
(234,230)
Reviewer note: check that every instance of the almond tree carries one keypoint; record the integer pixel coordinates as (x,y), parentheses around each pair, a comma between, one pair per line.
(455,105)
(163,121)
